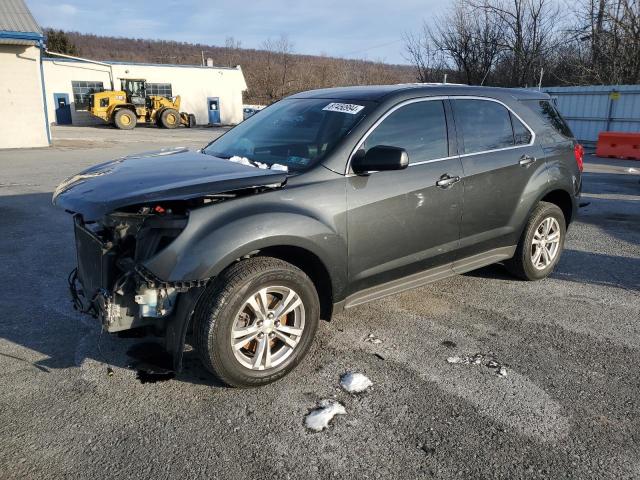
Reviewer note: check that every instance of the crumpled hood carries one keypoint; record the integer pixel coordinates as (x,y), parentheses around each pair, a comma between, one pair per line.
(170,174)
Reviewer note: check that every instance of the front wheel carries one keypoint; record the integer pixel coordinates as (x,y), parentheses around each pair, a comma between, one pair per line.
(170,118)
(541,244)
(256,321)
(125,119)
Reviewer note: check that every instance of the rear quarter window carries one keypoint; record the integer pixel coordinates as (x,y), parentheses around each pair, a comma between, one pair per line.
(551,117)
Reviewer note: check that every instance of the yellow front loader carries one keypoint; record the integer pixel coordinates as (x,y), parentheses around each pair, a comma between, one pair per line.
(131,105)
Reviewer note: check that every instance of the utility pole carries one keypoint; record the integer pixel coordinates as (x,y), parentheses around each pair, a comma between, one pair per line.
(202,53)
(540,82)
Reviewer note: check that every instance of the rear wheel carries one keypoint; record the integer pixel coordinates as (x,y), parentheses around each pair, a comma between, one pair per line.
(170,118)
(541,244)
(256,321)
(125,119)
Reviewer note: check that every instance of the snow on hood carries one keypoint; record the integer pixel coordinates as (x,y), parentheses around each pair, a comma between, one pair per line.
(246,161)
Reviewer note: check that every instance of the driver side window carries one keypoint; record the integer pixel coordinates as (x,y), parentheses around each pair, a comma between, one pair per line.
(420,128)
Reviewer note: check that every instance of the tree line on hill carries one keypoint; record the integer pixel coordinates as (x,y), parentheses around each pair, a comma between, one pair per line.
(513,43)
(271,72)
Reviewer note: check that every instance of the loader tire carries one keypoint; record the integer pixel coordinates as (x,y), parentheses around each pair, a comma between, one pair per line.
(170,118)
(125,119)
(158,118)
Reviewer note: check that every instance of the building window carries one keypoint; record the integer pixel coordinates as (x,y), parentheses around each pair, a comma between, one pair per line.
(81,92)
(160,89)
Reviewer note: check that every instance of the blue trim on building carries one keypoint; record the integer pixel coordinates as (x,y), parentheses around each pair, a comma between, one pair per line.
(34,36)
(54,59)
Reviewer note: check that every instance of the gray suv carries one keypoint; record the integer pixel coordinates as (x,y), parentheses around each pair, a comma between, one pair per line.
(326,200)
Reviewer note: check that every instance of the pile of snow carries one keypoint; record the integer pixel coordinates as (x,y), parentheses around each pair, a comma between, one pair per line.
(241,161)
(264,166)
(319,418)
(373,339)
(355,382)
(487,359)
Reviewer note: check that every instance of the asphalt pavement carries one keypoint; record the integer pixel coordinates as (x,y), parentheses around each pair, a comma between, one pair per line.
(567,408)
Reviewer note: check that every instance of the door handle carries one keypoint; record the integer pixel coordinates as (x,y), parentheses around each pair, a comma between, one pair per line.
(446,181)
(526,160)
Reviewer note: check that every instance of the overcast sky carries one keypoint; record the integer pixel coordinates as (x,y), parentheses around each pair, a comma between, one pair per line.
(369,29)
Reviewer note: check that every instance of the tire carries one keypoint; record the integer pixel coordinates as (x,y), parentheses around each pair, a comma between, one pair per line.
(158,116)
(192,120)
(125,119)
(522,264)
(224,311)
(170,118)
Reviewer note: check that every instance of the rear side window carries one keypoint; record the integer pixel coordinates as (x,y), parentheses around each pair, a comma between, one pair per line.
(485,125)
(546,110)
(420,128)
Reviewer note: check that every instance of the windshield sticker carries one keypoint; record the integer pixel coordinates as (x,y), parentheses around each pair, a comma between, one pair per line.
(343,108)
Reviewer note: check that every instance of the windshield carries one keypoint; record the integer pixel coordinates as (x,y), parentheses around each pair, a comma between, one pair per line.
(294,132)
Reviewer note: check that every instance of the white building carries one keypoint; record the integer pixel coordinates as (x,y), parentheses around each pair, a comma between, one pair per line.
(23,121)
(36,92)
(213,94)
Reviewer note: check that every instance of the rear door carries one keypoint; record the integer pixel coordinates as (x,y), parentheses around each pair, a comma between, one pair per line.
(401,222)
(503,172)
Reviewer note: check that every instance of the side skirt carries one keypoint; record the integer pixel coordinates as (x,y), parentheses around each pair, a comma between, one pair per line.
(425,277)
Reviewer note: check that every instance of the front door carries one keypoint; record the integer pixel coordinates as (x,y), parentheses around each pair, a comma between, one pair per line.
(63,109)
(401,222)
(500,164)
(213,106)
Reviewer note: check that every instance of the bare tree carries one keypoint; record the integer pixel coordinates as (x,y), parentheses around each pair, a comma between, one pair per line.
(233,51)
(276,81)
(607,38)
(471,38)
(425,57)
(528,35)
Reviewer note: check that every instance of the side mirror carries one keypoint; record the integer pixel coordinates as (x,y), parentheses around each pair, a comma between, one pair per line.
(378,159)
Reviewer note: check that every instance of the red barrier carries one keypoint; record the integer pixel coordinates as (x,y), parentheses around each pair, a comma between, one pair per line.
(618,145)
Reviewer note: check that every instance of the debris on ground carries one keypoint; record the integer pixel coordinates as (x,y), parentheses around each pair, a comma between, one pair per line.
(486,359)
(355,382)
(371,338)
(448,344)
(318,419)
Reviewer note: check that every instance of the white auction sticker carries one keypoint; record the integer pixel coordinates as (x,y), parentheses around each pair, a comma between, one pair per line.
(344,108)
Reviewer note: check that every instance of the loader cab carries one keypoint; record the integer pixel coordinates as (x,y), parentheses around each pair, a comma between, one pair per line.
(136,90)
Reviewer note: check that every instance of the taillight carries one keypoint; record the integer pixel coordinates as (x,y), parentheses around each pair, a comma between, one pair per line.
(578,151)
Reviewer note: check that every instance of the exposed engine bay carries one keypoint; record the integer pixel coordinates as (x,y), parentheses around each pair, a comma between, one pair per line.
(110,282)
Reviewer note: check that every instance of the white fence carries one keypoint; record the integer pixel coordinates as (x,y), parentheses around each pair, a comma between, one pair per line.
(593,109)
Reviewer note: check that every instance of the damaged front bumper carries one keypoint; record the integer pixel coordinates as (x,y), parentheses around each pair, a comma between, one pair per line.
(110,282)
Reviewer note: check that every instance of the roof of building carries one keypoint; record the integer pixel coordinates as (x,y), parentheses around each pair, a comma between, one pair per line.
(377,93)
(139,64)
(17,25)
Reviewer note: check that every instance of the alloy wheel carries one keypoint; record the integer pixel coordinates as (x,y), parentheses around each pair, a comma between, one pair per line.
(545,244)
(268,327)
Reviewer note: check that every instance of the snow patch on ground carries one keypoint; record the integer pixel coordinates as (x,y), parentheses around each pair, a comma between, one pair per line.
(373,339)
(319,418)
(355,382)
